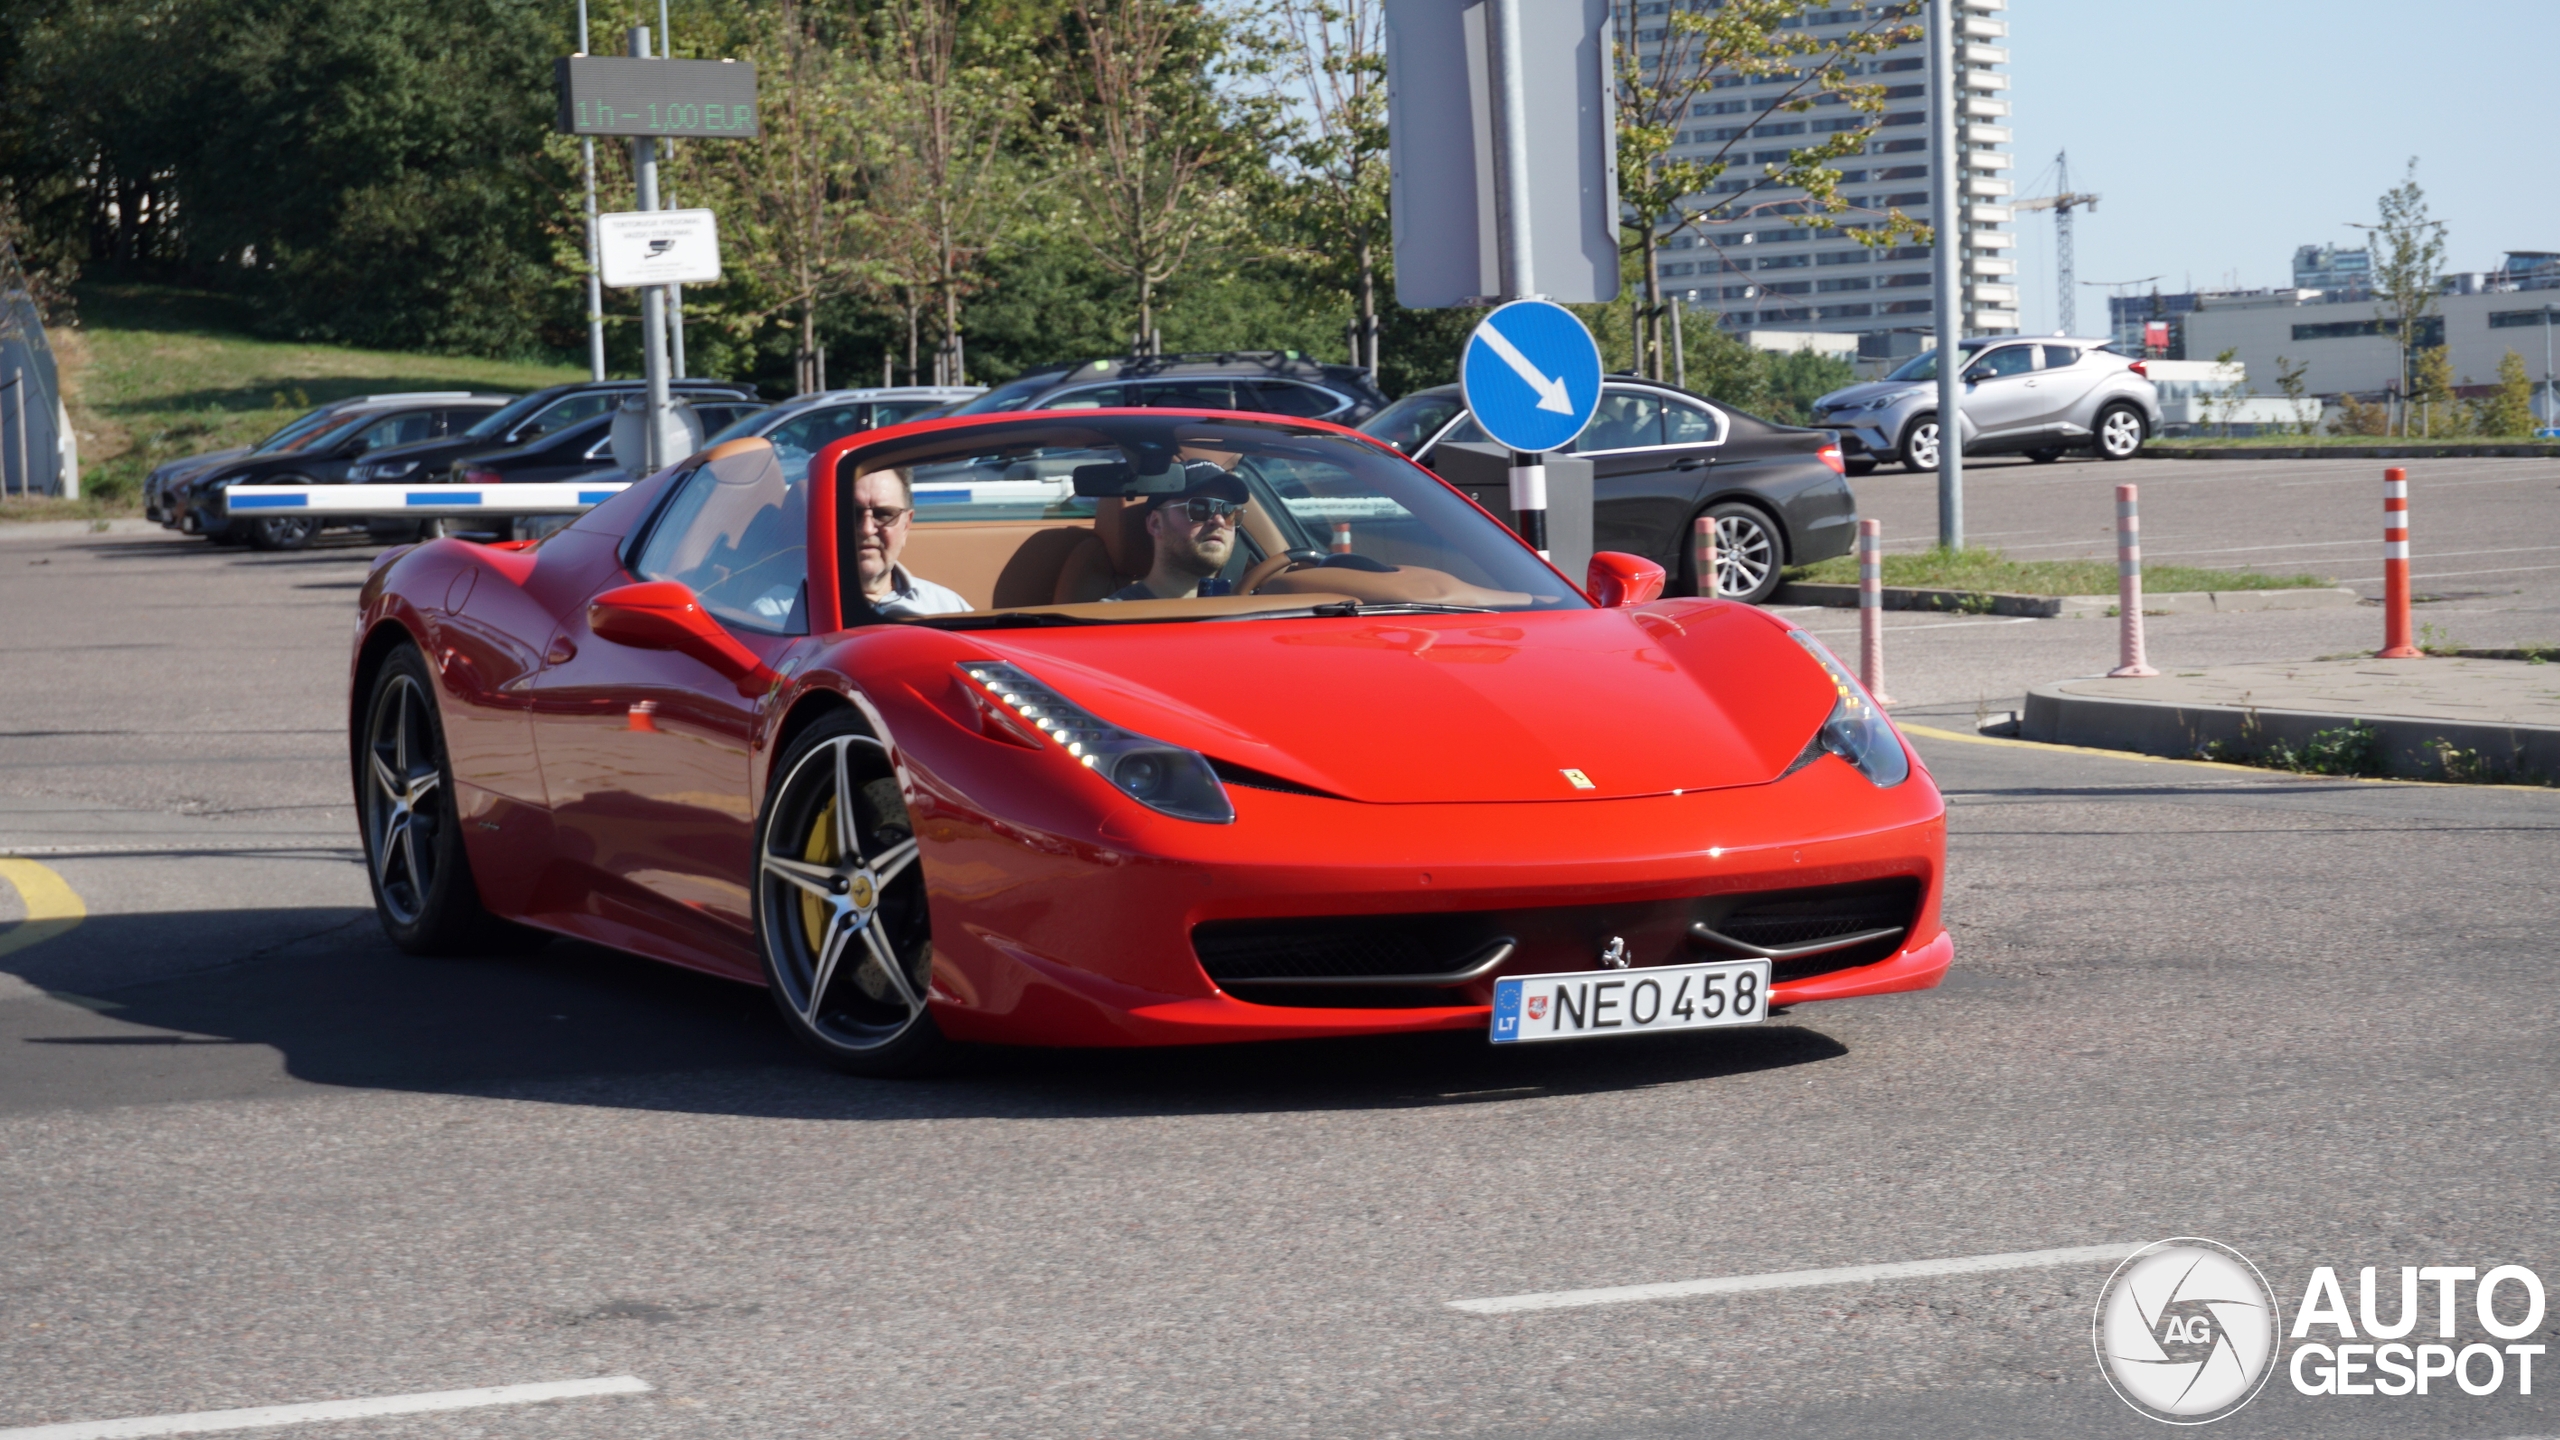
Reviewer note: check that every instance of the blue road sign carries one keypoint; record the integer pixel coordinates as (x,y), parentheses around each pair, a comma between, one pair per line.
(1531,375)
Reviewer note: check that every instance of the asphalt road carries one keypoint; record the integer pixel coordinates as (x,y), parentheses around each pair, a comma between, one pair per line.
(251,1155)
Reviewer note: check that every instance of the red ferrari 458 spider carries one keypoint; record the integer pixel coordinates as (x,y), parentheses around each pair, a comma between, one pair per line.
(1252,729)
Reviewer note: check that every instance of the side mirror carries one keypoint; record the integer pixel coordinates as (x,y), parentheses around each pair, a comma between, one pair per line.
(664,615)
(1618,579)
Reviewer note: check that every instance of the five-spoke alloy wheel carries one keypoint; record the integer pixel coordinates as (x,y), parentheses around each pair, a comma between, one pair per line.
(840,905)
(422,885)
(2120,433)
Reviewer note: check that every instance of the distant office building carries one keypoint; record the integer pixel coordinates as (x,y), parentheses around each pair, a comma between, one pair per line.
(2348,347)
(2329,269)
(1762,272)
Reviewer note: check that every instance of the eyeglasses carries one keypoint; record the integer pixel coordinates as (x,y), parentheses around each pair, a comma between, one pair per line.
(883,516)
(1204,507)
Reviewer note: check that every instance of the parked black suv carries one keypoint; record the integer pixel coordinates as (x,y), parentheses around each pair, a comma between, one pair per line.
(352,434)
(1274,382)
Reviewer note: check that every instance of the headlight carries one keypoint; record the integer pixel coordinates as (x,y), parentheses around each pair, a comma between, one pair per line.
(390,469)
(1856,729)
(1162,777)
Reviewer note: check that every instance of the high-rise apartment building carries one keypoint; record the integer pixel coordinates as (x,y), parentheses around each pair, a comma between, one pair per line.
(1757,270)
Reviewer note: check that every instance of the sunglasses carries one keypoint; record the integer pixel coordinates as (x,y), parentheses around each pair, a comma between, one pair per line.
(1204,507)
(883,516)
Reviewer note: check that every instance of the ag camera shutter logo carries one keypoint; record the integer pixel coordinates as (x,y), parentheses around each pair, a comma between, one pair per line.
(2186,1331)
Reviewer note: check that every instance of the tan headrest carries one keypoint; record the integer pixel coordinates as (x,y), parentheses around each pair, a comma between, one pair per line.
(1122,526)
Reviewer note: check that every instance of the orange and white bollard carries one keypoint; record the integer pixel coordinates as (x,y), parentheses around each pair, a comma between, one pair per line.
(1706,554)
(2131,663)
(1871,610)
(1341,537)
(2398,643)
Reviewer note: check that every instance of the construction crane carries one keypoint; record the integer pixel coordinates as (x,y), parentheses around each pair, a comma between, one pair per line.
(2061,202)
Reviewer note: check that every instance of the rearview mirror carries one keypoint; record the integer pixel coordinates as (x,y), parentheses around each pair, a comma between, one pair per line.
(664,615)
(1617,579)
(1154,474)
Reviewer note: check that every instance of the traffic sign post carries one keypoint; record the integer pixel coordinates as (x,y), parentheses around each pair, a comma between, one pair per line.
(1531,377)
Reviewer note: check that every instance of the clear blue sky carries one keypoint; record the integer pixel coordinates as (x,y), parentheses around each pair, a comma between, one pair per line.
(2222,135)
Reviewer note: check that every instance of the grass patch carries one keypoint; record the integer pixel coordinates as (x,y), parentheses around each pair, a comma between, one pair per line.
(2355,749)
(1981,568)
(154,372)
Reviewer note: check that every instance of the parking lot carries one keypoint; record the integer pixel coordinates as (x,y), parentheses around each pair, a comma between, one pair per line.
(256,1156)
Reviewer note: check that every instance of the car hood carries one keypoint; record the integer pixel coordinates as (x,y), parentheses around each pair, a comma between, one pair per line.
(1860,394)
(1678,695)
(198,464)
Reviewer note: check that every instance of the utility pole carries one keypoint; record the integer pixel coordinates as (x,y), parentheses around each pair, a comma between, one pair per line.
(595,278)
(1509,92)
(2062,202)
(1945,201)
(675,293)
(653,298)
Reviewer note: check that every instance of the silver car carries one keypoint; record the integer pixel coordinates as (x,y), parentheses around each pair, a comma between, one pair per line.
(2037,397)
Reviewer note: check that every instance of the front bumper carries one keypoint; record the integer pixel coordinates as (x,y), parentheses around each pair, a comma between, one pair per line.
(1052,940)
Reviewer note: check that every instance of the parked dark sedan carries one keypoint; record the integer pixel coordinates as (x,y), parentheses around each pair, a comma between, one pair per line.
(580,449)
(322,457)
(1660,459)
(1274,382)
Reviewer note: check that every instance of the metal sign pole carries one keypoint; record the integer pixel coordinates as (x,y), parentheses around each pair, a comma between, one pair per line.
(675,293)
(653,299)
(1945,199)
(595,280)
(1509,93)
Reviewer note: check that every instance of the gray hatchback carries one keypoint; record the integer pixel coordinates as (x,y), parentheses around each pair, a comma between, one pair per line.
(2039,398)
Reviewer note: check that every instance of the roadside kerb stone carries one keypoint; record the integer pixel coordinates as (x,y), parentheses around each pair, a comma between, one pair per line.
(2421,451)
(2075,607)
(2508,712)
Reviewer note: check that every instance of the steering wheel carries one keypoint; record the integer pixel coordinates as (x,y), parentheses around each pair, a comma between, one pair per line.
(1279,564)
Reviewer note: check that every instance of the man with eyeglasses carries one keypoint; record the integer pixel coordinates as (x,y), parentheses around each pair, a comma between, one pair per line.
(884,511)
(1194,534)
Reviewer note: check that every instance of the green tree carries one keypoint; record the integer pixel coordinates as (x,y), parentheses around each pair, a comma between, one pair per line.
(2430,388)
(2508,410)
(1669,61)
(2408,264)
(1327,70)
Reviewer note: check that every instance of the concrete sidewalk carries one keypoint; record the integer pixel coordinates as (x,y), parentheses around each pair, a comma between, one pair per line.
(2499,718)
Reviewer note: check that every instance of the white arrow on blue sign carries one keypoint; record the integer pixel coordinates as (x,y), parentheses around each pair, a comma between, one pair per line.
(1531,376)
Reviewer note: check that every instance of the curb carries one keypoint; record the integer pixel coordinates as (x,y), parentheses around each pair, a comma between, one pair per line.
(2075,607)
(2349,452)
(74,529)
(2150,727)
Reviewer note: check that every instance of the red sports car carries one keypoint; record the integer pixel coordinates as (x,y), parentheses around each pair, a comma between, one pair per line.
(1251,729)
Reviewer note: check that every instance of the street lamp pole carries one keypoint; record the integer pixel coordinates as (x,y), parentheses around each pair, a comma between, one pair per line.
(1945,198)
(595,281)
(1510,95)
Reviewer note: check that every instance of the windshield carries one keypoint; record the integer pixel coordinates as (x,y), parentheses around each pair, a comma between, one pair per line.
(802,433)
(1326,523)
(299,428)
(321,437)
(499,420)
(1012,395)
(1924,366)
(1413,420)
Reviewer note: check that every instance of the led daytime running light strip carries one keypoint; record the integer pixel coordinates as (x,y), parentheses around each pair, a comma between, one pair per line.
(1049,712)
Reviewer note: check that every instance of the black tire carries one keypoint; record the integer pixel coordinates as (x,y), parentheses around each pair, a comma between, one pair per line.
(1750,552)
(1918,448)
(414,857)
(1859,469)
(282,532)
(2044,457)
(2120,433)
(836,885)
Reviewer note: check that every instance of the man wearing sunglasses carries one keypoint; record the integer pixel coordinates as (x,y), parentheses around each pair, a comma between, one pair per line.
(884,512)
(1194,534)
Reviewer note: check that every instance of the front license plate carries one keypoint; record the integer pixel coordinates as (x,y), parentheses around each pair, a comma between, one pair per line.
(1592,1003)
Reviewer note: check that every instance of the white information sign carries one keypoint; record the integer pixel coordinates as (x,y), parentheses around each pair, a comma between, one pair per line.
(658,247)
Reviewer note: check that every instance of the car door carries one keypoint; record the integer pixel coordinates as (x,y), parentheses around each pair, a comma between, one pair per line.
(646,754)
(2002,400)
(2064,386)
(1643,488)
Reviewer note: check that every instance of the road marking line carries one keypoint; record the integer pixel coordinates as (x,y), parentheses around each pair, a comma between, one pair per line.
(52,908)
(265,1415)
(1783,1280)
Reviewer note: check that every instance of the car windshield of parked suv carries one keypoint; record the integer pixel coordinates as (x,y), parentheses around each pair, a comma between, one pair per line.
(1413,420)
(1328,524)
(1012,395)
(284,438)
(1924,366)
(497,421)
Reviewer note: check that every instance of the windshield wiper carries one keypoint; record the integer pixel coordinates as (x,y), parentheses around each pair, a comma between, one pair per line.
(1337,609)
(1033,620)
